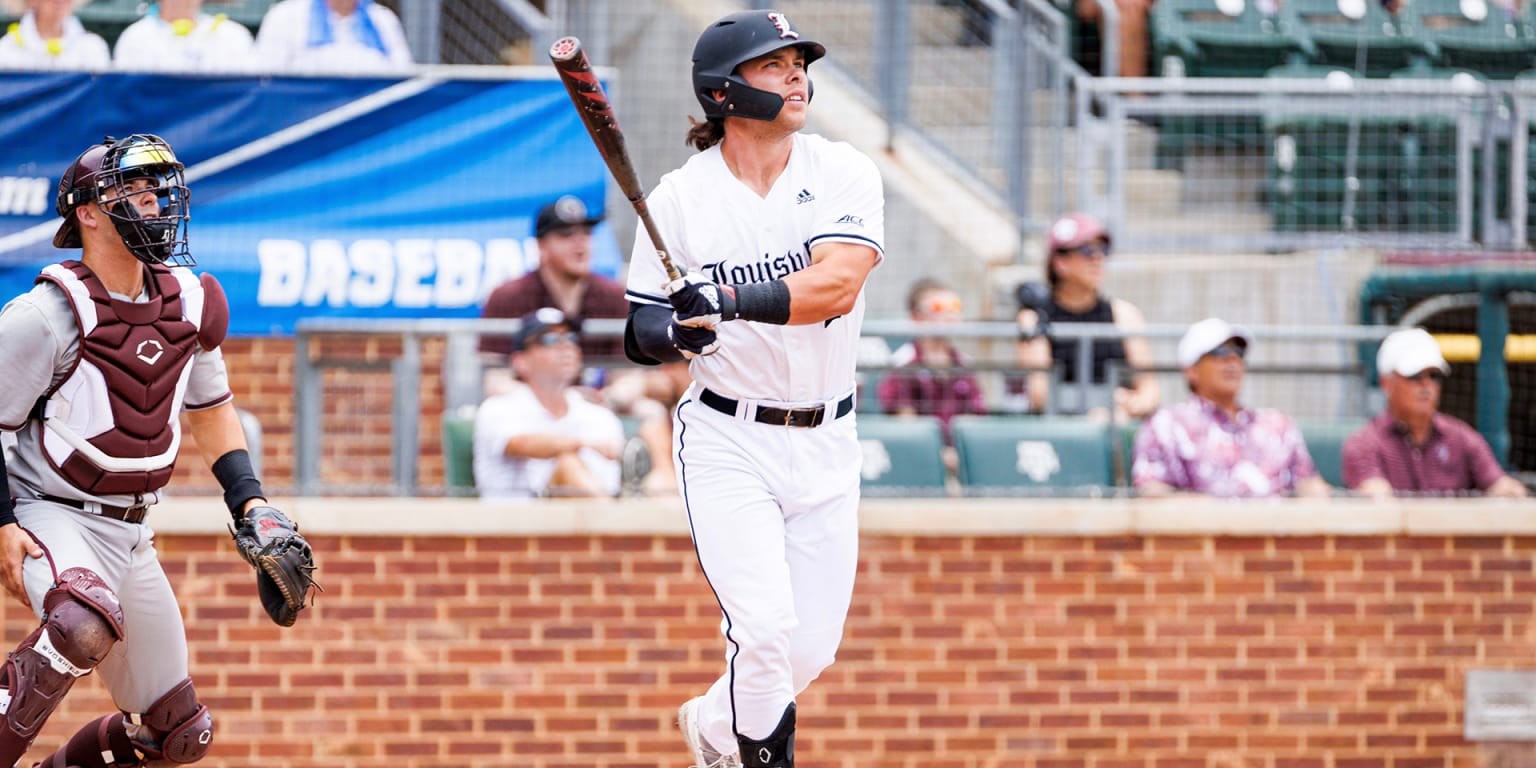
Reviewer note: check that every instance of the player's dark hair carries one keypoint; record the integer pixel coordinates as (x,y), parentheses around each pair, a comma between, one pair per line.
(703,134)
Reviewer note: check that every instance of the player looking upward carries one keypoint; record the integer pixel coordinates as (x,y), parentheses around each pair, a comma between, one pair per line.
(776,232)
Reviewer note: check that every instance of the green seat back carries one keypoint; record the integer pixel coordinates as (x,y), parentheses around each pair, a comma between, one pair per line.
(459,452)
(1325,442)
(1498,45)
(1391,42)
(903,455)
(1212,43)
(1023,453)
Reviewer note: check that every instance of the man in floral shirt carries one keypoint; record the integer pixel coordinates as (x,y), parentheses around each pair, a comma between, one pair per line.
(1211,444)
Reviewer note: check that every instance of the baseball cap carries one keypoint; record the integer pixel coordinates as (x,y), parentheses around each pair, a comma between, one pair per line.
(1410,352)
(1075,230)
(1206,335)
(537,322)
(568,211)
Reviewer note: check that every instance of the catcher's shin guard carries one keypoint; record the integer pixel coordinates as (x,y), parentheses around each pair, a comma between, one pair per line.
(81,622)
(776,751)
(101,740)
(176,729)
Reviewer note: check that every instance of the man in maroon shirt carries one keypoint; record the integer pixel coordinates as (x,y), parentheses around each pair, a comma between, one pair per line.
(1412,448)
(563,280)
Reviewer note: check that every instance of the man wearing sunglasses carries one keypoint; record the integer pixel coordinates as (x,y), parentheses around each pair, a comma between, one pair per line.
(544,438)
(1410,447)
(1211,444)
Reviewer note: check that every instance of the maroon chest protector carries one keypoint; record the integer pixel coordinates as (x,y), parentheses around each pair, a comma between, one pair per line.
(141,351)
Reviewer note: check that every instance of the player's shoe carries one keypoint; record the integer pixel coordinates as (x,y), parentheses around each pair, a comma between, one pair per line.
(704,755)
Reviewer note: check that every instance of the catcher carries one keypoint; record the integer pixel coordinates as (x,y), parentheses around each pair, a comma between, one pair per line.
(101,357)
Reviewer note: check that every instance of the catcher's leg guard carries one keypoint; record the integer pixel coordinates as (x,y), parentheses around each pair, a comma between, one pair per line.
(176,728)
(101,740)
(81,622)
(776,751)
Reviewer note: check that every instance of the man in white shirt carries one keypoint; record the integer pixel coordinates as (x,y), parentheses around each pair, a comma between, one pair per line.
(544,438)
(48,36)
(176,36)
(332,36)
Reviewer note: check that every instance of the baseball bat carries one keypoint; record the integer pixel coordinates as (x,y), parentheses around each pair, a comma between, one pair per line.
(597,115)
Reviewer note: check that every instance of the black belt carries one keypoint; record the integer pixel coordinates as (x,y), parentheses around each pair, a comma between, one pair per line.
(126,514)
(783,417)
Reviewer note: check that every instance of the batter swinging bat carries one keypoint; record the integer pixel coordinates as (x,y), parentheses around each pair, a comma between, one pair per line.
(597,115)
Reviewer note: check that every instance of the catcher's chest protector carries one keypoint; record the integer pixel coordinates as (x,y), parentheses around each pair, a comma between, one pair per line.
(112,426)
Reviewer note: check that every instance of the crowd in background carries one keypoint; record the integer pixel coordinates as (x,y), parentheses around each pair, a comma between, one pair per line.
(300,36)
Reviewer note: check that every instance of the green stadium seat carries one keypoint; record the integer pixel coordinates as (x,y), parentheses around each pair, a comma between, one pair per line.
(1325,443)
(1208,42)
(1496,44)
(459,452)
(109,18)
(903,455)
(1002,454)
(1390,42)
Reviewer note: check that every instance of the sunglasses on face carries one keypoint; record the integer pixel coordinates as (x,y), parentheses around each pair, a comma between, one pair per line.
(1430,375)
(551,338)
(1229,350)
(1090,251)
(942,305)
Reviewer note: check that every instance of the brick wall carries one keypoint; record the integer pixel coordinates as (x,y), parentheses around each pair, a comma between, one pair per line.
(975,651)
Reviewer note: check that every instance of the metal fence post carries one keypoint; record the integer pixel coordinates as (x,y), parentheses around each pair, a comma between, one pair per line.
(893,63)
(406,372)
(423,29)
(1492,373)
(307,393)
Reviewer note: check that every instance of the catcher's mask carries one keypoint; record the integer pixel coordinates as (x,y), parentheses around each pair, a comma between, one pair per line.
(733,40)
(119,174)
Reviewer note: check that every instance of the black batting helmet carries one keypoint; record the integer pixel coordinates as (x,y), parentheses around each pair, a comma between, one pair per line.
(103,173)
(738,38)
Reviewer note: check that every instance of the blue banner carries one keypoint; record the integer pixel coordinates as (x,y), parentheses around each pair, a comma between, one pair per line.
(344,197)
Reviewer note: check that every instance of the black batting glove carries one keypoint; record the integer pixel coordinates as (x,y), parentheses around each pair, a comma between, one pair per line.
(692,340)
(699,302)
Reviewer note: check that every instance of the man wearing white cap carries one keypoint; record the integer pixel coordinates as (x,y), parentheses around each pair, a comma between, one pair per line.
(1412,448)
(1210,444)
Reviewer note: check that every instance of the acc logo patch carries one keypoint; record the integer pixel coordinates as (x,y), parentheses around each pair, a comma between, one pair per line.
(857,221)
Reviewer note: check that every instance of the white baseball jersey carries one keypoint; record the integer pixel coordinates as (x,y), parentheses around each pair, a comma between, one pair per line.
(500,418)
(24,48)
(716,225)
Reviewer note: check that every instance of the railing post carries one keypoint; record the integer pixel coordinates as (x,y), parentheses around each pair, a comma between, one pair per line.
(1492,374)
(406,409)
(893,58)
(307,411)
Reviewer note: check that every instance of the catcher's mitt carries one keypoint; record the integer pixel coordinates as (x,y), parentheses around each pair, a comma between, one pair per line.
(284,563)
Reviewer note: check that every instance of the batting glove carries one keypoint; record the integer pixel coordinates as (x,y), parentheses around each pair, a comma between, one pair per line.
(699,302)
(692,340)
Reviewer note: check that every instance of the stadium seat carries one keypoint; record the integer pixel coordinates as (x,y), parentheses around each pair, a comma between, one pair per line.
(903,455)
(1390,42)
(1206,41)
(999,454)
(1325,443)
(459,452)
(1495,43)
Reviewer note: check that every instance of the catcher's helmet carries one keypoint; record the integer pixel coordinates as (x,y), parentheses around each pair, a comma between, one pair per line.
(735,39)
(103,174)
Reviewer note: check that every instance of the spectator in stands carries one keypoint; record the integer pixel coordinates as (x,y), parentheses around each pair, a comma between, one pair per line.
(564,280)
(176,36)
(332,36)
(1211,444)
(1134,36)
(940,386)
(546,439)
(1077,246)
(49,36)
(1412,448)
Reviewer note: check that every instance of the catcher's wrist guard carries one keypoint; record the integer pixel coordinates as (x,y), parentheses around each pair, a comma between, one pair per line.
(284,562)
(237,477)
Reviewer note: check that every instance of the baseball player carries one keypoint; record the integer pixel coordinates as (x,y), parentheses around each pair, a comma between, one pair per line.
(777,231)
(101,357)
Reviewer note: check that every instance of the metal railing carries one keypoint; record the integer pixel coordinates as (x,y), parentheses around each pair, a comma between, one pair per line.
(462,370)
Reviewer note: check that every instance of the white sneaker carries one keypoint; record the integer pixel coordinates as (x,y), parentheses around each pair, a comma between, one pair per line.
(704,755)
